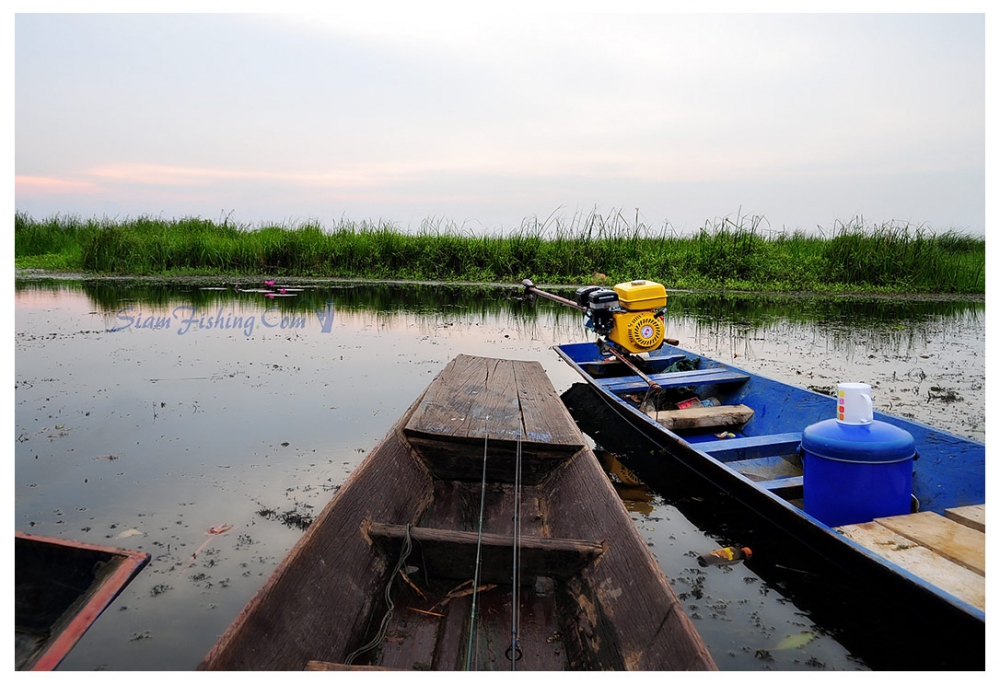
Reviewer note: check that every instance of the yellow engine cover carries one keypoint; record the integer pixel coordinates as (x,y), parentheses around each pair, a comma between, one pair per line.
(637,331)
(639,295)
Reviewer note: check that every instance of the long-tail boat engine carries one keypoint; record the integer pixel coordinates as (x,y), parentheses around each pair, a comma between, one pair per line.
(630,315)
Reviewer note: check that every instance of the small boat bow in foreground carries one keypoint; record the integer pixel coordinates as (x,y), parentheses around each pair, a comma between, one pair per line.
(479,534)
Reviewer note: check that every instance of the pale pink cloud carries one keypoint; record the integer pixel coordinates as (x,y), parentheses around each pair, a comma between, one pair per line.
(40,186)
(167,175)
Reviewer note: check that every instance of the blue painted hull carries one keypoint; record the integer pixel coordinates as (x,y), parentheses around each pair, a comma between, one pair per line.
(949,471)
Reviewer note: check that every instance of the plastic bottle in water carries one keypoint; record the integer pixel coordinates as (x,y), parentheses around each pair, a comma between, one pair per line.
(725,556)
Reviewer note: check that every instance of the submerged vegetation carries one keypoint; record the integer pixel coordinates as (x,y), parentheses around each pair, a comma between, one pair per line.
(735,255)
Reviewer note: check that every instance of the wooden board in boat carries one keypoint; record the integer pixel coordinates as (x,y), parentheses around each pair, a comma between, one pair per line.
(962,545)
(930,546)
(972,516)
(694,418)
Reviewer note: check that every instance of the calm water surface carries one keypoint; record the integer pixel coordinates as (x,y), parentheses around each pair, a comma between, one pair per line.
(145,415)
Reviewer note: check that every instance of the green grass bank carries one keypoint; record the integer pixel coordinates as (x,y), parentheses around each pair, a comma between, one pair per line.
(725,255)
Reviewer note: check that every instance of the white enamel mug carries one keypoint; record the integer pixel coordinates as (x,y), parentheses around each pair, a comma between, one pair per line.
(854,403)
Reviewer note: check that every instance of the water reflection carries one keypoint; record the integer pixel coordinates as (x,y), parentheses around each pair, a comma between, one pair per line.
(170,433)
(847,324)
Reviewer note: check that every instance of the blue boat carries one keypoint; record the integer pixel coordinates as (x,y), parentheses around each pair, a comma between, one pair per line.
(749,441)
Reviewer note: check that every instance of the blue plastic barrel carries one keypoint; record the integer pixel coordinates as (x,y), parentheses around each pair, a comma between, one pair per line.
(856,473)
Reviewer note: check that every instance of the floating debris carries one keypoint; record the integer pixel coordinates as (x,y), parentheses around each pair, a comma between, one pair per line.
(128,533)
(211,532)
(798,640)
(934,393)
(823,389)
(292,519)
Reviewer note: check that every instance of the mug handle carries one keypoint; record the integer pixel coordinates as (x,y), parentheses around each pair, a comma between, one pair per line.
(870,416)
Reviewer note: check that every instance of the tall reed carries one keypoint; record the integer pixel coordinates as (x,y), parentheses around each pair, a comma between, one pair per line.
(740,254)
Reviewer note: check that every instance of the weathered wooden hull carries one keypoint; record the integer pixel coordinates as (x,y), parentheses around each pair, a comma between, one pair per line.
(757,463)
(591,594)
(61,588)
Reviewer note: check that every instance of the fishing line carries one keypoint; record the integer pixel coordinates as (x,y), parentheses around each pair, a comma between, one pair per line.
(514,652)
(473,627)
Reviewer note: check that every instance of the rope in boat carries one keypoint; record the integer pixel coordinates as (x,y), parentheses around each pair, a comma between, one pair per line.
(390,605)
(514,653)
(473,618)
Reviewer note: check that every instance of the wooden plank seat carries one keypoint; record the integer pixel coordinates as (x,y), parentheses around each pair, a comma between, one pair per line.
(612,365)
(452,553)
(763,469)
(788,482)
(661,358)
(725,416)
(752,447)
(675,379)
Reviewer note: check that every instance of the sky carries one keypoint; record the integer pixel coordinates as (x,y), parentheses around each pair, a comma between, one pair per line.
(505,115)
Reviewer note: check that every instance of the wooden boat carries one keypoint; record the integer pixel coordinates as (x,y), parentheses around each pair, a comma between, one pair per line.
(931,558)
(438,530)
(61,587)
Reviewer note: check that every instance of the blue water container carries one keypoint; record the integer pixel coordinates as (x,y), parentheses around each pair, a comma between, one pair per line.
(855,473)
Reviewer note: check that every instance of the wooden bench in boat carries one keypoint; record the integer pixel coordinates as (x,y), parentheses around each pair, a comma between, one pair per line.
(772,461)
(675,379)
(693,418)
(752,447)
(451,553)
(612,365)
(939,549)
